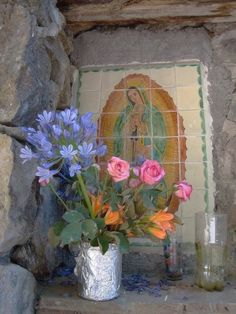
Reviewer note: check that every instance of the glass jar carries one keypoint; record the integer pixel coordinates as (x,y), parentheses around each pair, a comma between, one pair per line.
(173,255)
(210,244)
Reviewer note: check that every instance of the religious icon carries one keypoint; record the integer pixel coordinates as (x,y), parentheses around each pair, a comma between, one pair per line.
(142,120)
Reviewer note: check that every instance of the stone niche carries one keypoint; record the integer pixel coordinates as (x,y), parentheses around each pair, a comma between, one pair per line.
(40,59)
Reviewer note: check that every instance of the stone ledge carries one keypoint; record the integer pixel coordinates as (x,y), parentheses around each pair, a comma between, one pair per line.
(182,297)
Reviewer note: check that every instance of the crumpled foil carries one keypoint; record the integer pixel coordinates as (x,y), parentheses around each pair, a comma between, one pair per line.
(99,276)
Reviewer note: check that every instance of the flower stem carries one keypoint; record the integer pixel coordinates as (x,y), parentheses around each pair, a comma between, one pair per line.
(58,196)
(85,194)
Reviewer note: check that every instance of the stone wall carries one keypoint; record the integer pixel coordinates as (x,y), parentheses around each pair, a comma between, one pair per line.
(35,75)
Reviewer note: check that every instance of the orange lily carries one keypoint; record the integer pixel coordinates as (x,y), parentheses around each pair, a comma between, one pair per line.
(163,220)
(158,233)
(114,218)
(96,203)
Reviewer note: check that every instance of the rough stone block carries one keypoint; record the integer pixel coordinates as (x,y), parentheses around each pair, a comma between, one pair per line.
(17,196)
(17,290)
(34,65)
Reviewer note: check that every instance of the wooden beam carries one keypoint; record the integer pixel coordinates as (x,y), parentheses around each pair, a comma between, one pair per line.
(82,14)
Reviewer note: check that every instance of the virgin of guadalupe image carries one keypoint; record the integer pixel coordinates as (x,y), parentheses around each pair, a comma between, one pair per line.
(143,121)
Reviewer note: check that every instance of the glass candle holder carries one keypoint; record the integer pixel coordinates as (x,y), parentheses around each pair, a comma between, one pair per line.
(173,255)
(210,244)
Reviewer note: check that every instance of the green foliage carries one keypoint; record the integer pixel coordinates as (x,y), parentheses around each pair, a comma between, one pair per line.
(89,229)
(149,197)
(100,223)
(54,233)
(73,216)
(71,233)
(103,241)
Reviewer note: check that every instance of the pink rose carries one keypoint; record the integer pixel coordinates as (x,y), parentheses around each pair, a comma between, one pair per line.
(119,169)
(151,172)
(184,190)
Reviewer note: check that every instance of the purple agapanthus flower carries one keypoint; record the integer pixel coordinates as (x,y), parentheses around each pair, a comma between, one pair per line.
(86,150)
(67,134)
(68,152)
(90,127)
(74,169)
(75,127)
(57,131)
(45,118)
(59,137)
(45,174)
(26,154)
(101,149)
(69,116)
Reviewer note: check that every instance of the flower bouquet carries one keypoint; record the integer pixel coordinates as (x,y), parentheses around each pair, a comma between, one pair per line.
(104,206)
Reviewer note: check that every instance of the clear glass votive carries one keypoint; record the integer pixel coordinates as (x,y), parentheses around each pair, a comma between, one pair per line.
(173,255)
(211,250)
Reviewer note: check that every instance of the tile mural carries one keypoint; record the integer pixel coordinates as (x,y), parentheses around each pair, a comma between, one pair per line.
(157,111)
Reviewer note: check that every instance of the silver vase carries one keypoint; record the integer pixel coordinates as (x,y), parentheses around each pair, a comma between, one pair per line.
(99,276)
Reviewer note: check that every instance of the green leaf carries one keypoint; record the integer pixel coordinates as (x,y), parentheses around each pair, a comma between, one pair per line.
(114,202)
(71,233)
(94,242)
(53,239)
(58,227)
(130,210)
(100,223)
(121,240)
(149,197)
(83,210)
(73,216)
(89,229)
(103,242)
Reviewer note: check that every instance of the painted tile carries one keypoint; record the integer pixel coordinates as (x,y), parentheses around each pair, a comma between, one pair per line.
(89,101)
(113,80)
(163,98)
(164,76)
(90,81)
(164,123)
(192,122)
(195,173)
(166,149)
(187,75)
(131,78)
(111,126)
(188,97)
(195,204)
(195,148)
(113,101)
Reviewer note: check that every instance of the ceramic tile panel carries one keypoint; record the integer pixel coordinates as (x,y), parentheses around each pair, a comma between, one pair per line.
(188,97)
(113,101)
(89,101)
(195,173)
(165,76)
(196,150)
(196,203)
(157,110)
(187,75)
(193,122)
(111,79)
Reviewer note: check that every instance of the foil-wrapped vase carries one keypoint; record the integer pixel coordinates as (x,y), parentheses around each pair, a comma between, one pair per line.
(99,276)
